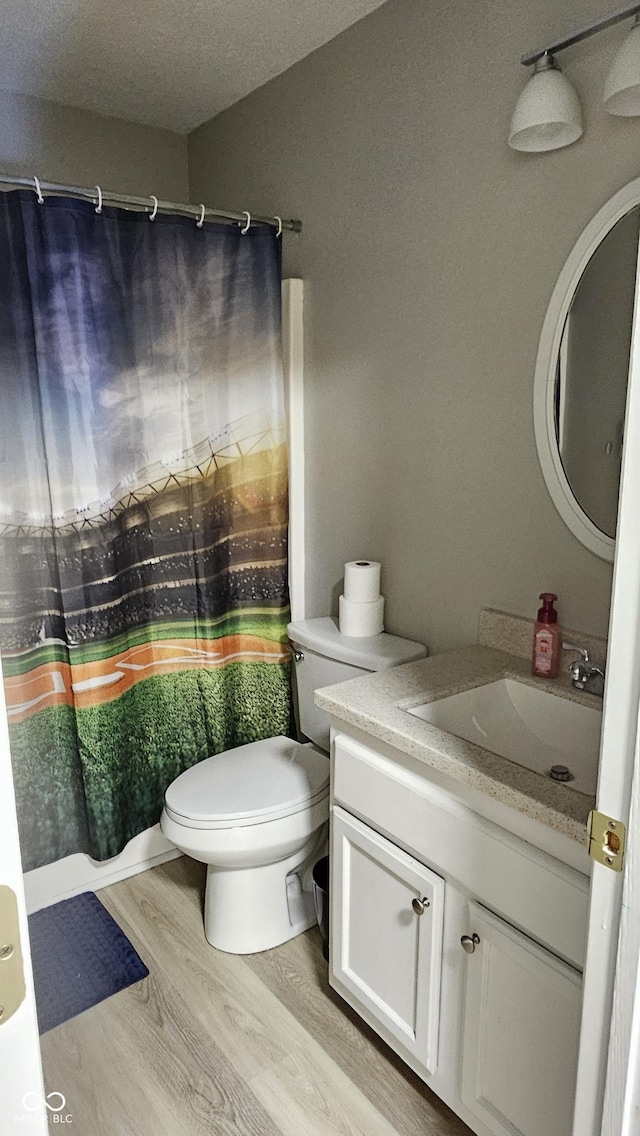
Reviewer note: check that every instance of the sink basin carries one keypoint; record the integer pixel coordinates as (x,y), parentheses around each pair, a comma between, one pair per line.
(527,725)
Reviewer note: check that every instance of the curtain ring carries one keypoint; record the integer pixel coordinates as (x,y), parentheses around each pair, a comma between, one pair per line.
(200,223)
(38,191)
(99,205)
(279,229)
(248,224)
(152,215)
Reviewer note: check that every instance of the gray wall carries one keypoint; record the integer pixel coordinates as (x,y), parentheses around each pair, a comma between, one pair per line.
(60,143)
(429,252)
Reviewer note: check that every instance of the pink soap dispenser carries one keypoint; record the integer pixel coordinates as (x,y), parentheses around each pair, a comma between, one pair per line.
(546,639)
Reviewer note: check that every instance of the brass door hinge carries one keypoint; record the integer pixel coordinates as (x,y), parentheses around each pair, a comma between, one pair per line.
(606,840)
(12,988)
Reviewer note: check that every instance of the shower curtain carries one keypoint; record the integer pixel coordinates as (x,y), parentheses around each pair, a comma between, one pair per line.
(143,510)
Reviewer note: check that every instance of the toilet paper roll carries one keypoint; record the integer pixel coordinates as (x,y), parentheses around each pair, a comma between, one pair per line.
(361,620)
(362,581)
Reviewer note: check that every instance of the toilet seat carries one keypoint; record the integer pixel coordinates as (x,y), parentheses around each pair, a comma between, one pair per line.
(250,785)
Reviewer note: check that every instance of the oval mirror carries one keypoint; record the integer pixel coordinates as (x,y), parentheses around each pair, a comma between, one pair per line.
(580,386)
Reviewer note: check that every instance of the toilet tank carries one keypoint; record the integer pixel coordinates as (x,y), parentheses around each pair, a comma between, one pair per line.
(330,657)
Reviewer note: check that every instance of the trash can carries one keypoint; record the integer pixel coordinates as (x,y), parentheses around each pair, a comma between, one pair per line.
(321,899)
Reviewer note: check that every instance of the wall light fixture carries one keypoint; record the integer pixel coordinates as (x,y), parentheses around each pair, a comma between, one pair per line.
(548,114)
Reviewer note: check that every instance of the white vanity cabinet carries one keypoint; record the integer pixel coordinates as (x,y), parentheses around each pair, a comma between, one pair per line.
(388,941)
(520,1034)
(460,944)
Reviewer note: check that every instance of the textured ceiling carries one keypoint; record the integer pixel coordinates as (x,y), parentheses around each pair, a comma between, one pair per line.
(167,63)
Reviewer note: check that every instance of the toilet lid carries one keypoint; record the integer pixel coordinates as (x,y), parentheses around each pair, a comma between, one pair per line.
(249,784)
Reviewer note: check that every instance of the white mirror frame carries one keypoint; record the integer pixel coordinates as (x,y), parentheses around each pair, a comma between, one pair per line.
(544,384)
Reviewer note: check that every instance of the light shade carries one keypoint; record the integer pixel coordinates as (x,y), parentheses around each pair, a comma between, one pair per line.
(548,114)
(622,86)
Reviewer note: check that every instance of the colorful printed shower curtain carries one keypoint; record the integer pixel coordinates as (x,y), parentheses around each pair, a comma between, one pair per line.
(143,510)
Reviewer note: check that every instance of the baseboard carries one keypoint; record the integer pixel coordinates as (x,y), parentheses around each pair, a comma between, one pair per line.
(77,873)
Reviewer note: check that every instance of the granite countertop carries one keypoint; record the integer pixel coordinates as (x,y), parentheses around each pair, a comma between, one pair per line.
(377,704)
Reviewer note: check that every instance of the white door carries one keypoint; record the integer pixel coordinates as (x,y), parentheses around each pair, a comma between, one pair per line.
(22,1105)
(386,923)
(520,1033)
(619,756)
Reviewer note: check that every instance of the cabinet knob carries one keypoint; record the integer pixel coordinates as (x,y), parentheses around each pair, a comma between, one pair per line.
(420,905)
(470,942)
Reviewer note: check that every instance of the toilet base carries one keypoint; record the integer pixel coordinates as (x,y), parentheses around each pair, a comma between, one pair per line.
(247,910)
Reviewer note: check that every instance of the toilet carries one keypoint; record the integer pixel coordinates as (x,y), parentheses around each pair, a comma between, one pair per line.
(258,815)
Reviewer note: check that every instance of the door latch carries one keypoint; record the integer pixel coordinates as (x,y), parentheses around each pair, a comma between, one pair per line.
(12,987)
(606,840)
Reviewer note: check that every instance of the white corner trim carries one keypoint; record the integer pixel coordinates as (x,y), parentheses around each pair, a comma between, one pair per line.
(293,367)
(78,873)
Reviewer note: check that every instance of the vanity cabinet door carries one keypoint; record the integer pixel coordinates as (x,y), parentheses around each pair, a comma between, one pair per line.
(521,1031)
(386,917)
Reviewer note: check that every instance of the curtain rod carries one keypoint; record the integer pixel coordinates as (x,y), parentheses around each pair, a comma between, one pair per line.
(148,203)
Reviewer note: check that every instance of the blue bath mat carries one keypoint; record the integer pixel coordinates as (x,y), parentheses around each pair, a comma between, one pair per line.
(80,957)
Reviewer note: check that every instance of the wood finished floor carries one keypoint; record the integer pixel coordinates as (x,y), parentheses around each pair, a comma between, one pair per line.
(225,1045)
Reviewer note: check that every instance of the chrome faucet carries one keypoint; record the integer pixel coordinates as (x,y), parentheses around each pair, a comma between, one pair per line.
(583,674)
